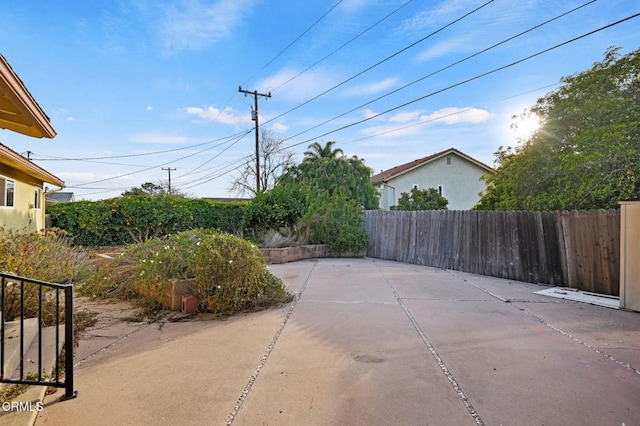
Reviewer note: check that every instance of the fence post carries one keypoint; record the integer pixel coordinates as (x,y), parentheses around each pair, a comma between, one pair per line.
(69,393)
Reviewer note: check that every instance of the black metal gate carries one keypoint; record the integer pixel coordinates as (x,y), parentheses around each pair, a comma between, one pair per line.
(47,311)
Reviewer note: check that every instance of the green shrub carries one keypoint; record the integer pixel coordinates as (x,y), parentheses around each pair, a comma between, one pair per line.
(281,207)
(337,221)
(136,218)
(421,199)
(46,257)
(229,273)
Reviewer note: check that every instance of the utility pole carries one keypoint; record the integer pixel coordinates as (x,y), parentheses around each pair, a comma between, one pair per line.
(168,169)
(254,117)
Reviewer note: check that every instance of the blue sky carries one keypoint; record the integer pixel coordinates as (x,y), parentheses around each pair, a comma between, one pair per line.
(134,86)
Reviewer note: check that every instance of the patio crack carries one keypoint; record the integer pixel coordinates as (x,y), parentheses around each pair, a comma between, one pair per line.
(267,352)
(456,387)
(575,339)
(579,341)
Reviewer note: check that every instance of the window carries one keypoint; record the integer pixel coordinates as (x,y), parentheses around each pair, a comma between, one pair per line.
(7,192)
(37,201)
(448,161)
(440,189)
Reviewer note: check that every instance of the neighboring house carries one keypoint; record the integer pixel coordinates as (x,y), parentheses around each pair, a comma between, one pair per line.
(21,181)
(455,175)
(60,197)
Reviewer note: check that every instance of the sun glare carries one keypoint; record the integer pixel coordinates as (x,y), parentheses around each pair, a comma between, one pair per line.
(525,127)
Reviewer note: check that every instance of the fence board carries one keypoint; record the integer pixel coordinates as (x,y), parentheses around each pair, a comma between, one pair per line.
(573,249)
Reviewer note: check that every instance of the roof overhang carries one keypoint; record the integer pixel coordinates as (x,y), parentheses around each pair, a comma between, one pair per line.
(19,112)
(16,161)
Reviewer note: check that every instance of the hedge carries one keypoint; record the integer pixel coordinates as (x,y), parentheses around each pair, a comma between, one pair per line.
(136,218)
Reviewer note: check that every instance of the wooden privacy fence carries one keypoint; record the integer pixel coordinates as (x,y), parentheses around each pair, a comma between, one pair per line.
(578,249)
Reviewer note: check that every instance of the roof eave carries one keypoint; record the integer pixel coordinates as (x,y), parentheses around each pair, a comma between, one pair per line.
(20,163)
(12,87)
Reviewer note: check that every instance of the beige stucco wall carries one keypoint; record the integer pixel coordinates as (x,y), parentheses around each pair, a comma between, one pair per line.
(460,181)
(22,216)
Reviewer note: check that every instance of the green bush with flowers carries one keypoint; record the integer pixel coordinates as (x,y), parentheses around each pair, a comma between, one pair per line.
(229,274)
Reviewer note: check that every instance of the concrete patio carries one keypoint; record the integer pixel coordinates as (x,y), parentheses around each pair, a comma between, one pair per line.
(369,342)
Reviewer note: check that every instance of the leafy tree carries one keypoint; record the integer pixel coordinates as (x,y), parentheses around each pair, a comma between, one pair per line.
(273,162)
(150,188)
(316,151)
(337,221)
(278,208)
(586,154)
(324,170)
(147,188)
(421,199)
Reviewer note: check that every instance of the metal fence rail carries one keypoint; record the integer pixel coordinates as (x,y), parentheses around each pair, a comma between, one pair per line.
(22,299)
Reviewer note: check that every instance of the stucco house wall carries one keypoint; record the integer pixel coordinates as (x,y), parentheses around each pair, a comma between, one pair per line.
(456,176)
(27,212)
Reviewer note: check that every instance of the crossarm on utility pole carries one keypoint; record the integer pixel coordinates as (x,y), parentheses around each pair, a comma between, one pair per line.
(168,169)
(255,118)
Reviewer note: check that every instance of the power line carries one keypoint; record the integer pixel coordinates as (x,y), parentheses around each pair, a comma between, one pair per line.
(460,83)
(192,171)
(212,176)
(222,173)
(384,60)
(294,41)
(445,68)
(440,70)
(244,160)
(345,44)
(449,87)
(457,112)
(109,157)
(308,101)
(145,169)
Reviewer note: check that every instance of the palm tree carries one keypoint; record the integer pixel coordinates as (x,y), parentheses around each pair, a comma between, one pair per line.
(317,151)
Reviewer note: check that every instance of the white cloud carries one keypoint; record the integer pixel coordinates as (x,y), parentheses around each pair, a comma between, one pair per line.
(404,117)
(70,118)
(427,18)
(194,24)
(408,123)
(226,115)
(371,88)
(279,128)
(389,131)
(149,108)
(453,115)
(367,113)
(353,6)
(293,87)
(452,45)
